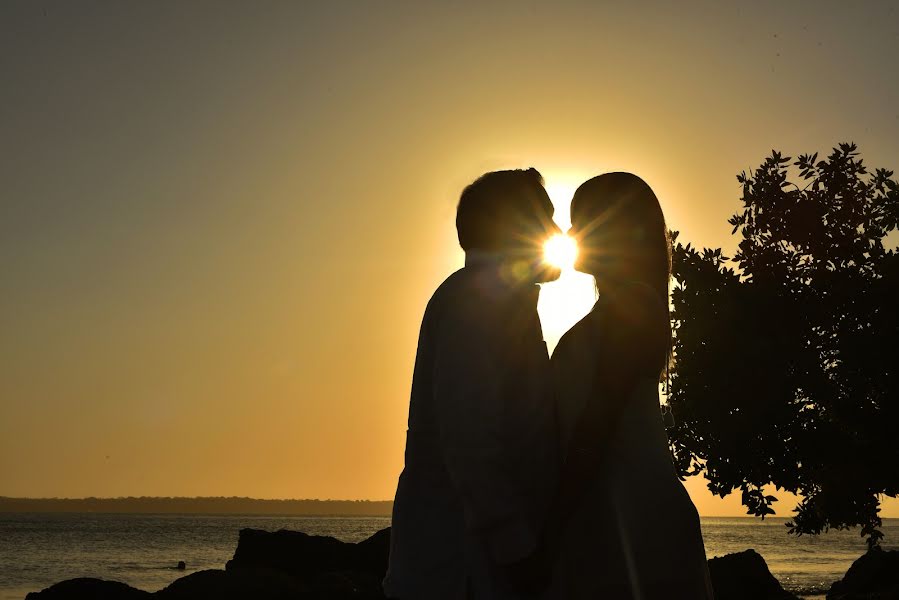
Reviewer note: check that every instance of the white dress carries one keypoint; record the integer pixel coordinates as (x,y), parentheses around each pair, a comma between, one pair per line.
(636,534)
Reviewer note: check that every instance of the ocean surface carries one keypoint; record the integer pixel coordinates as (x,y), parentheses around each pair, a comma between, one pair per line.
(37,550)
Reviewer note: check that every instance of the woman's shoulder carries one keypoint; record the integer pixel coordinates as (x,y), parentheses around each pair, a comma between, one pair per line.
(578,340)
(635,324)
(635,295)
(634,307)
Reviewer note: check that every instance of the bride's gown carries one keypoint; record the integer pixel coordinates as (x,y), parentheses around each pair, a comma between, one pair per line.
(636,533)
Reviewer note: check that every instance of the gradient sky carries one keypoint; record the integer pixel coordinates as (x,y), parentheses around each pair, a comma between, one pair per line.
(220,222)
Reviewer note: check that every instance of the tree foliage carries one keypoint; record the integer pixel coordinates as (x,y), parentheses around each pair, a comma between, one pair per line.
(787,355)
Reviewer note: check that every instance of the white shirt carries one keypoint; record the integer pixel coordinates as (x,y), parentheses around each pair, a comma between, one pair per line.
(480,449)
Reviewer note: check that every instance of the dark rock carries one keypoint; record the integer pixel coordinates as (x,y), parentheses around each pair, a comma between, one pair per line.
(745,576)
(303,555)
(88,587)
(243,584)
(292,565)
(292,552)
(373,552)
(181,565)
(346,585)
(266,566)
(873,576)
(328,567)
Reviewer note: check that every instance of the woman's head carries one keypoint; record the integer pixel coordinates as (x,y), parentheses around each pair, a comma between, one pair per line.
(621,232)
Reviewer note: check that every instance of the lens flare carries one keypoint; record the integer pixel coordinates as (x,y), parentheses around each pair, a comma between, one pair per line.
(560,251)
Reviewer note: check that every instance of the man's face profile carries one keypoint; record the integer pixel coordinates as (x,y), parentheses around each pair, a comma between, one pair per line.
(533,228)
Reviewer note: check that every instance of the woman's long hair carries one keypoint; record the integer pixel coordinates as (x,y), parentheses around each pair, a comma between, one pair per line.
(626,236)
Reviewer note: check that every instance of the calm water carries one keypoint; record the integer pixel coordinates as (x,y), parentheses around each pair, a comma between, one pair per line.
(37,550)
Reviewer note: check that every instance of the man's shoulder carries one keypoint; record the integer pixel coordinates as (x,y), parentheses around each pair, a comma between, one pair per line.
(467,289)
(445,293)
(456,281)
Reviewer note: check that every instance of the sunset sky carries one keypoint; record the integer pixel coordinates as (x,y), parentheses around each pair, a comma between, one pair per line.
(220,222)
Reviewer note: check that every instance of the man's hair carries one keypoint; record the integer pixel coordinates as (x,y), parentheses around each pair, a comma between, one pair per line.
(488,206)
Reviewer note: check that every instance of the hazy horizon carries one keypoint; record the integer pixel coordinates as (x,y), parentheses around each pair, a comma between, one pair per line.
(246,505)
(221,222)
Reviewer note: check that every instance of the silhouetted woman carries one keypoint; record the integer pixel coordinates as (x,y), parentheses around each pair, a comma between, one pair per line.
(623,526)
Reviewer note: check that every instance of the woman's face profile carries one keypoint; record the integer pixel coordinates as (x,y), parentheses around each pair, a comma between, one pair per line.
(599,248)
(584,234)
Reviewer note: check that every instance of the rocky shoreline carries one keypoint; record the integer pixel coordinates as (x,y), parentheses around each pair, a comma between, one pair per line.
(293,565)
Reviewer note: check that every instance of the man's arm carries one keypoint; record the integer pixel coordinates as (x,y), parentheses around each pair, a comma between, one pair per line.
(473,367)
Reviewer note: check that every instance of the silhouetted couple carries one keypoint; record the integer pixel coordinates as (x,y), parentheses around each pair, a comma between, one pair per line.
(527,477)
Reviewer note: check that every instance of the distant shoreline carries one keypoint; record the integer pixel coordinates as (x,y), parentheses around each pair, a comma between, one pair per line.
(233,505)
(201,505)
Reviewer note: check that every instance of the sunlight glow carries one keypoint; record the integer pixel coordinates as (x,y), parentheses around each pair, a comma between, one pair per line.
(560,251)
(565,301)
(560,192)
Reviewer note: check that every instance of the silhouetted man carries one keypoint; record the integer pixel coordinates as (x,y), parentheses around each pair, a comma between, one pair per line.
(479,449)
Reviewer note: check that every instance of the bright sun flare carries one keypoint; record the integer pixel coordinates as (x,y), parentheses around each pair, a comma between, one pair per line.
(560,251)
(565,301)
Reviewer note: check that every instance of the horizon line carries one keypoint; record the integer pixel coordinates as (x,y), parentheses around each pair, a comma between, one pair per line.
(190,498)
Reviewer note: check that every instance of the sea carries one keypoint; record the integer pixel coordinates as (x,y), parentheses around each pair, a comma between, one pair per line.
(37,550)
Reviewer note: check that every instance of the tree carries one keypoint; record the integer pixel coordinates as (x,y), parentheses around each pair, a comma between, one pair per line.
(787,362)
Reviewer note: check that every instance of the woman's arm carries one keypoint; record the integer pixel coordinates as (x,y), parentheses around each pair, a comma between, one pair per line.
(635,336)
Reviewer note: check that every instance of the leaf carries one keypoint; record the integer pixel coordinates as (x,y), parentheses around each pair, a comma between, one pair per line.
(778,355)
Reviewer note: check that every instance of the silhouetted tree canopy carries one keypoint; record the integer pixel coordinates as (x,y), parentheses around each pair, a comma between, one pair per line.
(786,364)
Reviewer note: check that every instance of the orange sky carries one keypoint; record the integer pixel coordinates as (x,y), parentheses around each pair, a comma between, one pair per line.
(221,222)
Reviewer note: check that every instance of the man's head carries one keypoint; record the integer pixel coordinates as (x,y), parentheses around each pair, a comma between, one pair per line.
(509,213)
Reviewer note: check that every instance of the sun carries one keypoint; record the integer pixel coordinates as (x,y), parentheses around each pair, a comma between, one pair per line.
(565,301)
(560,251)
